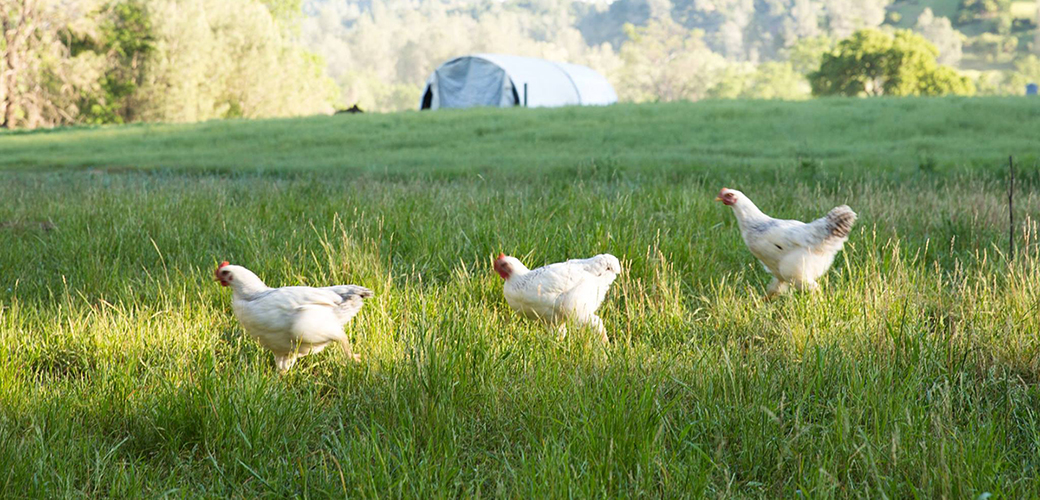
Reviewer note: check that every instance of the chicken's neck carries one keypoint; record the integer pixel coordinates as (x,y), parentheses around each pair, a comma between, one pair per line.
(247,285)
(748,214)
(517,274)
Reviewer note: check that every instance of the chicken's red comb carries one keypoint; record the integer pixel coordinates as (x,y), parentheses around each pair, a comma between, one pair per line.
(222,264)
(500,256)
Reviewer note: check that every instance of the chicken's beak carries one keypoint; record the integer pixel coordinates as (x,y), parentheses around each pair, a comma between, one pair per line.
(500,267)
(216,274)
(718,198)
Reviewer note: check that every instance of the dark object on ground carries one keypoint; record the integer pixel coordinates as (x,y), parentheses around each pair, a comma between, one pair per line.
(352,109)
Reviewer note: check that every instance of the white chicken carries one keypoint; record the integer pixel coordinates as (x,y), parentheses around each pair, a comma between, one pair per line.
(556,293)
(292,321)
(795,253)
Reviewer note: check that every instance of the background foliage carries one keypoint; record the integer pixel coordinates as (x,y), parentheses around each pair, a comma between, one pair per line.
(873,63)
(117,61)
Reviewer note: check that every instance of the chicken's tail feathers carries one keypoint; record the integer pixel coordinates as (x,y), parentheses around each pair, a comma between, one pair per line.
(609,263)
(353,299)
(349,291)
(839,221)
(600,264)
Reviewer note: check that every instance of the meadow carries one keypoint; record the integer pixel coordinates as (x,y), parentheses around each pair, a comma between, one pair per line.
(914,373)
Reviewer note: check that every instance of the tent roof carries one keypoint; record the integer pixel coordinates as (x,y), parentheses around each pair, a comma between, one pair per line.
(548,83)
(573,83)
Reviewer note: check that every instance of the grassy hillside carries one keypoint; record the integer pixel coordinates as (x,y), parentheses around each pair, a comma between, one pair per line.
(913,372)
(889,135)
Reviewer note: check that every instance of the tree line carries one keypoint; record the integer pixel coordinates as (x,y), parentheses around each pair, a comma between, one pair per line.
(93,62)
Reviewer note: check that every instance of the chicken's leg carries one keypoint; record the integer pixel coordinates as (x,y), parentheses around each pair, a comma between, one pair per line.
(351,355)
(811,286)
(775,288)
(560,329)
(597,324)
(285,362)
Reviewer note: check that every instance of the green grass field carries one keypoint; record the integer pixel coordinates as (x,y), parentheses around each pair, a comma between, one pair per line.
(914,373)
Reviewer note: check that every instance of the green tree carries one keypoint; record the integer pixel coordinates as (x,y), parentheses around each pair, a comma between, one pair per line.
(971,10)
(665,62)
(771,80)
(805,55)
(124,39)
(1027,70)
(776,80)
(873,63)
(228,59)
(288,13)
(940,32)
(39,82)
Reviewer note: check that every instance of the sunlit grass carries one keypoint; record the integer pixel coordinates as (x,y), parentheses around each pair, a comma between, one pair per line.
(914,371)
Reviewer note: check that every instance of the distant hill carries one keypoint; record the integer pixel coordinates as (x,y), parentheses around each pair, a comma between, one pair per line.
(992,32)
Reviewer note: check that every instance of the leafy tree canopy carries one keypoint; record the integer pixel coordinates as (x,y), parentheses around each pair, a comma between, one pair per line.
(873,63)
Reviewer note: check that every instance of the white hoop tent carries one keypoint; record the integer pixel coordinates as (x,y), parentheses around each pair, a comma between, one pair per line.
(505,81)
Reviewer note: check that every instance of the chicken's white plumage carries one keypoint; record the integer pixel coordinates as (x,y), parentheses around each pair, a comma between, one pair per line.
(292,321)
(794,252)
(556,293)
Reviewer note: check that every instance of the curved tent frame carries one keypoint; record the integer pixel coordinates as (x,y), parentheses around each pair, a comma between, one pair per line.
(504,80)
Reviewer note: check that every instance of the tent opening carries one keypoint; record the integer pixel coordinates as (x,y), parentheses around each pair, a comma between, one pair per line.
(427,98)
(516,97)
